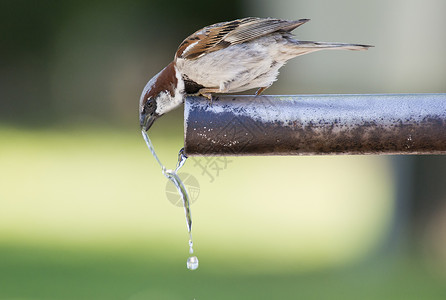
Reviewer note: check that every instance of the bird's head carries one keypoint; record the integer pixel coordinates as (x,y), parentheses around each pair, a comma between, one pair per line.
(164,92)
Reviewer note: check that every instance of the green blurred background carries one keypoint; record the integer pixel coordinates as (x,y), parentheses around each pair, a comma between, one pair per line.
(83,206)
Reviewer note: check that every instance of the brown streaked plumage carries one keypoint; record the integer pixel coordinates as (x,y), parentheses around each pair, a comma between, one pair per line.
(222,35)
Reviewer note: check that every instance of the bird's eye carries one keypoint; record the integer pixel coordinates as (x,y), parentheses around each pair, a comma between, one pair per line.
(149,107)
(149,104)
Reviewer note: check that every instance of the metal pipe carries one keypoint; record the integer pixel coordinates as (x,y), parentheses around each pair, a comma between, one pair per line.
(316,124)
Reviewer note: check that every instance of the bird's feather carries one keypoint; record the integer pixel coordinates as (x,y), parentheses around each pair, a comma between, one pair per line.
(222,35)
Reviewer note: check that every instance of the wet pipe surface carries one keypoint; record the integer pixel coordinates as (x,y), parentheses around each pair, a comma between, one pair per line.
(316,125)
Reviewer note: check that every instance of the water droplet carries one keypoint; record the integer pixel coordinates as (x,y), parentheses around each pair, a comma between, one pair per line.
(192,263)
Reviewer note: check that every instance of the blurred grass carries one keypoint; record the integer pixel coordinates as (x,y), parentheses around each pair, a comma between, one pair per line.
(42,273)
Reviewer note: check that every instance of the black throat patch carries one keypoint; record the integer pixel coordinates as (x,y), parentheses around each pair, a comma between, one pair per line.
(190,86)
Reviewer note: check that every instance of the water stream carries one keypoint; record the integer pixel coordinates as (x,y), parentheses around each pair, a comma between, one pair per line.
(172,175)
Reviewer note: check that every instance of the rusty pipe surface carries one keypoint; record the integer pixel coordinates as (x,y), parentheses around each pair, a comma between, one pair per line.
(316,124)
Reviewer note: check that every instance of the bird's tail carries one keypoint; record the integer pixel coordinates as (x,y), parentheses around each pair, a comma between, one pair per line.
(325,45)
(297,48)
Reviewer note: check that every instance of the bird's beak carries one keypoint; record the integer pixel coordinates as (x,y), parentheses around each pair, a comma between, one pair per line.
(146,121)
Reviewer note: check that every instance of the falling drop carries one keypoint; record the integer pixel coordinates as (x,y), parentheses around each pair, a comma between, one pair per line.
(192,262)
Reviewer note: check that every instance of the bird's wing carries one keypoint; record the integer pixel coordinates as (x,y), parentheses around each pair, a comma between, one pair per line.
(222,35)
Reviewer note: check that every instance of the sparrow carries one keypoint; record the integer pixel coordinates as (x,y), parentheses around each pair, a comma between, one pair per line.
(227,57)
